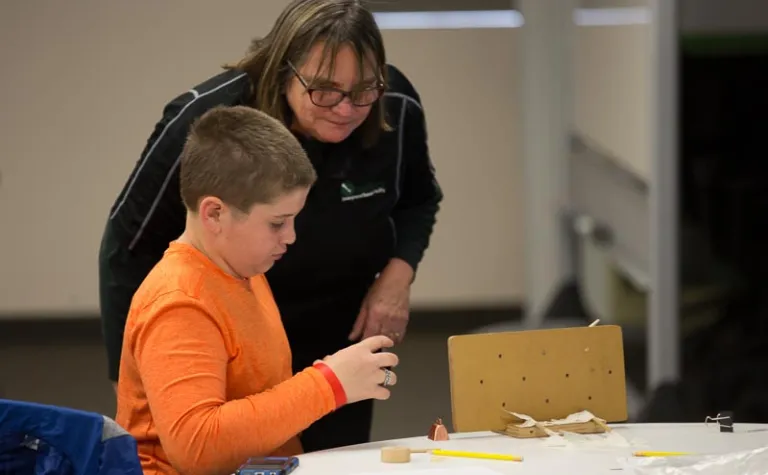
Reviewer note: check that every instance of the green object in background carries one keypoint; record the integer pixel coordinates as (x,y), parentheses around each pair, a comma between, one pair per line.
(740,44)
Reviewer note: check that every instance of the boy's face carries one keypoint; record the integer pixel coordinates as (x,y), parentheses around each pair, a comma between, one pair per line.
(249,244)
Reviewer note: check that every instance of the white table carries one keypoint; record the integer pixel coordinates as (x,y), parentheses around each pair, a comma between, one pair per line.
(589,458)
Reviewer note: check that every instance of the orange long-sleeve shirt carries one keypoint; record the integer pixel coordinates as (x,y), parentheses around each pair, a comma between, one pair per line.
(205,375)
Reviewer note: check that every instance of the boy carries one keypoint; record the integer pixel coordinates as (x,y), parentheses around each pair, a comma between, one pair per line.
(205,378)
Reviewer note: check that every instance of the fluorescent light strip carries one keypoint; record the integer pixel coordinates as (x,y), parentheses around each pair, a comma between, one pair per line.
(611,16)
(449,20)
(477,19)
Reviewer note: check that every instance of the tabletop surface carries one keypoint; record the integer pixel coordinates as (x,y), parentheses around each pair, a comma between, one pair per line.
(575,454)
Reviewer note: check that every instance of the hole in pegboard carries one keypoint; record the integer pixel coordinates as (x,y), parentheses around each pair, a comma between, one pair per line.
(523,378)
(567,375)
(499,355)
(610,371)
(543,352)
(590,398)
(481,381)
(503,404)
(547,401)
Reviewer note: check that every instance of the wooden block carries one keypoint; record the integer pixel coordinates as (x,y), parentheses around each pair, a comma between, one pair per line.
(591,427)
(399,454)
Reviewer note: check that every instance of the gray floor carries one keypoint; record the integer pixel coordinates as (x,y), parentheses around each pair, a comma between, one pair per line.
(63,363)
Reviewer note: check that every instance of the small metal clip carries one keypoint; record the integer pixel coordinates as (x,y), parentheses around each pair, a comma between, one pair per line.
(724,420)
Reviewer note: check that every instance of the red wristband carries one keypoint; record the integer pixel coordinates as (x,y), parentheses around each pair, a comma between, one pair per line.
(338,390)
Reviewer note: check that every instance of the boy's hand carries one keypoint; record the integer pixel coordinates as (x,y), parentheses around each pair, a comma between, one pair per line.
(361,369)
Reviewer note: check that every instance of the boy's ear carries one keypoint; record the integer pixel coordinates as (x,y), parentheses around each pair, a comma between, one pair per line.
(211,212)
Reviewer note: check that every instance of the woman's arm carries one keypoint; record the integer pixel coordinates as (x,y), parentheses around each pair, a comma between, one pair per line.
(385,309)
(181,355)
(420,194)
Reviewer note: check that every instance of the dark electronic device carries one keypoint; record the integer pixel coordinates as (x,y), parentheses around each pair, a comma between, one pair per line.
(268,466)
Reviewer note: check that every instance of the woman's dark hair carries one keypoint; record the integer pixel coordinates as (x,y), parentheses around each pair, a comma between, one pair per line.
(302,25)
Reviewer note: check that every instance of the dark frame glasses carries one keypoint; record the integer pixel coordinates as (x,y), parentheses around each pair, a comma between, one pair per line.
(331,96)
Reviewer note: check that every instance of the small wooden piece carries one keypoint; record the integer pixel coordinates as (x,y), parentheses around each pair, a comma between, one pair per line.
(591,427)
(602,424)
(438,431)
(399,454)
(575,423)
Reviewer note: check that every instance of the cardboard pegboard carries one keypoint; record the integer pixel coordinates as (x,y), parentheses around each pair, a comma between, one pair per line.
(546,374)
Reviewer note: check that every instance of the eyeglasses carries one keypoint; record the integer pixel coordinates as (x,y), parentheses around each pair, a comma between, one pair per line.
(331,96)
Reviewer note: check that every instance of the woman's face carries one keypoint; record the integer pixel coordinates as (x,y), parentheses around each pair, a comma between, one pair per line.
(329,122)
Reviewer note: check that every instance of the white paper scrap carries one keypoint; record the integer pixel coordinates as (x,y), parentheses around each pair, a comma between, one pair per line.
(587,441)
(575,418)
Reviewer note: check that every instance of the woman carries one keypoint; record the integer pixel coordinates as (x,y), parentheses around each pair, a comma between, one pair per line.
(368,219)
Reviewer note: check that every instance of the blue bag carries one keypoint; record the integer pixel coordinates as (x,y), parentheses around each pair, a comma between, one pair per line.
(38,439)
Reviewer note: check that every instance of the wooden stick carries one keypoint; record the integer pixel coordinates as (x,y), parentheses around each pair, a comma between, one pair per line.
(602,424)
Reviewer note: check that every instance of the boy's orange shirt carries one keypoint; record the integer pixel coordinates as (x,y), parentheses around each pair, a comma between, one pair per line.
(205,373)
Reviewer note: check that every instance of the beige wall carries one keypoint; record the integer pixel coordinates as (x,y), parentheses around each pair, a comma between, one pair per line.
(84,81)
(468,82)
(611,96)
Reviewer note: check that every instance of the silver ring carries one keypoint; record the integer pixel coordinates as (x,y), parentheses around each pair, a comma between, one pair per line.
(387,377)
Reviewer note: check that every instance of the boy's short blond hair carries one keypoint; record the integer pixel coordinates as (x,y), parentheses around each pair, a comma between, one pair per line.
(243,157)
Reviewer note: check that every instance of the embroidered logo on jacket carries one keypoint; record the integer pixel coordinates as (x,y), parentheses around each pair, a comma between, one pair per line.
(350,192)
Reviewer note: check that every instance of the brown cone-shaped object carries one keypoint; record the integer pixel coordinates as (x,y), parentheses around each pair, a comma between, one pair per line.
(438,431)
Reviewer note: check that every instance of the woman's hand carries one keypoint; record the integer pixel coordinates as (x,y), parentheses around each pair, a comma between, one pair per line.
(385,309)
(362,369)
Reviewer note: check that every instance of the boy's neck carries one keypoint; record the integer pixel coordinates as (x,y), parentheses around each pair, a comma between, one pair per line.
(193,236)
